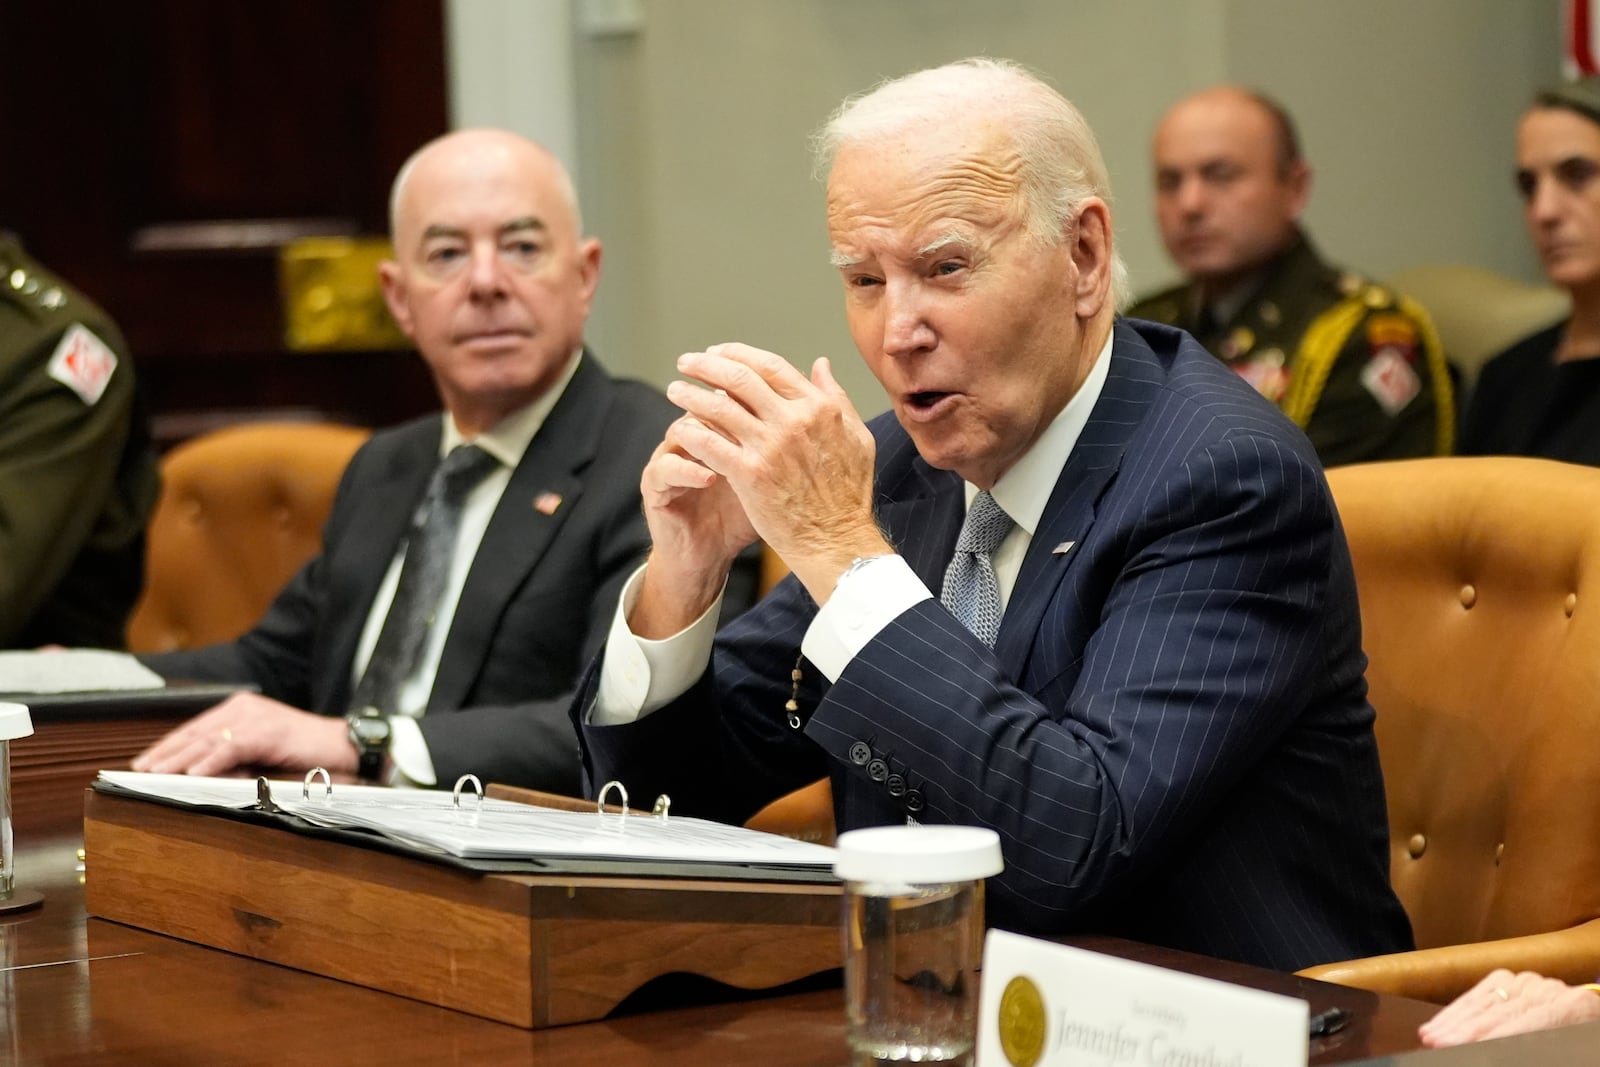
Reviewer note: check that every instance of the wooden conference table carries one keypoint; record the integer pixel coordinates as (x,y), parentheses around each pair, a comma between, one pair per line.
(79,990)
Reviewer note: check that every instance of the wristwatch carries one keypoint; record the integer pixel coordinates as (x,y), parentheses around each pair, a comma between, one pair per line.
(369,732)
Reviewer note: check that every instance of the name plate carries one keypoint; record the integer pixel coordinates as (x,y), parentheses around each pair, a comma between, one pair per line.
(1046,1005)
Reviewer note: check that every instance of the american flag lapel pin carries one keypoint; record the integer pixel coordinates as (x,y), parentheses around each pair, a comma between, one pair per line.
(547,503)
(1063,548)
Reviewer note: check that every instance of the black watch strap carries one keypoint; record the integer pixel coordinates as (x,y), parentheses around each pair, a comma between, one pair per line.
(369,732)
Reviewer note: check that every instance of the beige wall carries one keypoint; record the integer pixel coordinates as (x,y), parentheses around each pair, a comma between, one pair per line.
(695,172)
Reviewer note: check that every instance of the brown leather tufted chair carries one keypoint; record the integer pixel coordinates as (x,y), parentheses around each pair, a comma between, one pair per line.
(1480,609)
(241,509)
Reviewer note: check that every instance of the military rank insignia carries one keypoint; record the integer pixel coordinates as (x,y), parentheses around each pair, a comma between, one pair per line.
(83,363)
(1390,374)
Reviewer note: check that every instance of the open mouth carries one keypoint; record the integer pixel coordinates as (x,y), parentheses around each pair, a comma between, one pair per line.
(925,402)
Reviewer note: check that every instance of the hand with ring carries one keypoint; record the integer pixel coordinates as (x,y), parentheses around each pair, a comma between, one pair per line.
(1505,1003)
(249,732)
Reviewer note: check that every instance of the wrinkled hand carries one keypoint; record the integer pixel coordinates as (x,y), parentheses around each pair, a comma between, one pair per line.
(793,450)
(249,731)
(697,526)
(762,452)
(1504,1004)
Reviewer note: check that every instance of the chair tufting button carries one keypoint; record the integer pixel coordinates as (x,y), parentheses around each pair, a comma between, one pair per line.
(1417,845)
(1572,604)
(1469,596)
(1499,853)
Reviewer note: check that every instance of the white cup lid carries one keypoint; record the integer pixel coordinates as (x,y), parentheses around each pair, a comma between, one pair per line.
(917,854)
(14,721)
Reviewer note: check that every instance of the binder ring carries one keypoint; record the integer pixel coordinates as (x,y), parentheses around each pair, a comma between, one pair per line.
(477,788)
(663,802)
(600,804)
(327,785)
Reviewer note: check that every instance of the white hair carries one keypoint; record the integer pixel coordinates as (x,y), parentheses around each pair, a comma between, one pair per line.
(1060,160)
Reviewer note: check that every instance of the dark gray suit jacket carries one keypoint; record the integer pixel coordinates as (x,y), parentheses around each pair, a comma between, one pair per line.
(535,607)
(1171,734)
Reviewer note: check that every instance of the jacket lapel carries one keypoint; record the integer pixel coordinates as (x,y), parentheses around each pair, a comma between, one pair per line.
(540,495)
(1131,383)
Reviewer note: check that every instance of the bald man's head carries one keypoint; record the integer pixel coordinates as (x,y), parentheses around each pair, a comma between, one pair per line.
(491,278)
(482,140)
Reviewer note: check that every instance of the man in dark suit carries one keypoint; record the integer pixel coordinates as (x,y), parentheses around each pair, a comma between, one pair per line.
(493,281)
(1135,654)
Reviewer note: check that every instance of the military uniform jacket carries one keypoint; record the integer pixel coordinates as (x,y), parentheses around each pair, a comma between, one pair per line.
(1356,365)
(78,477)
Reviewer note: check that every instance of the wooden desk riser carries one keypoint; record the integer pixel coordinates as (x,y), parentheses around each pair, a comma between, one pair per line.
(531,950)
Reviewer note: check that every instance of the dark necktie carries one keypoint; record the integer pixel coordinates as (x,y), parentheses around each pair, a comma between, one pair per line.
(430,548)
(971,590)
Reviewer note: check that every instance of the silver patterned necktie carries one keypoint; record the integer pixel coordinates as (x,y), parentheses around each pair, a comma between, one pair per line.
(430,549)
(971,590)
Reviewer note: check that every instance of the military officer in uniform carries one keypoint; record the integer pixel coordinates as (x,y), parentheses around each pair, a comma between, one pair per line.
(1353,363)
(78,475)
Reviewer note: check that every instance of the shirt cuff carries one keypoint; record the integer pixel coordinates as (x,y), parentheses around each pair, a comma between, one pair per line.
(867,599)
(410,761)
(637,675)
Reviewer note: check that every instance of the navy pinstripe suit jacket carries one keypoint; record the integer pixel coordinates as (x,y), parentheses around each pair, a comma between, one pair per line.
(1171,734)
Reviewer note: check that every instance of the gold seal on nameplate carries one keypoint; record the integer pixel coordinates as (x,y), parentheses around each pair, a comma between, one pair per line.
(1022,1022)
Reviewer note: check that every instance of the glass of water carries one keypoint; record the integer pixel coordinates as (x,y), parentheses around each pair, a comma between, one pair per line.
(913,929)
(14,723)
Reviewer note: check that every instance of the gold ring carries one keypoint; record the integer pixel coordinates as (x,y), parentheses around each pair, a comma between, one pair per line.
(227,734)
(1501,993)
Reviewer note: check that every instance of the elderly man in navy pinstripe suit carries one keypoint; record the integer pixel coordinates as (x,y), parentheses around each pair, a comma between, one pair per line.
(1170,729)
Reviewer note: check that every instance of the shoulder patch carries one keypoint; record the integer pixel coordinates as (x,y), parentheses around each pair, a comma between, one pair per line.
(83,363)
(1392,380)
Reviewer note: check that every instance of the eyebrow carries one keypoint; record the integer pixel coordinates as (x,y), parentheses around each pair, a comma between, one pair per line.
(844,262)
(527,222)
(941,242)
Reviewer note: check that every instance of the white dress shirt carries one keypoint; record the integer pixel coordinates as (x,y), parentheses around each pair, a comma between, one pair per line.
(506,441)
(639,675)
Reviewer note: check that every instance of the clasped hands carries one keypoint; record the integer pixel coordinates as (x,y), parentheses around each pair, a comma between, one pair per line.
(761,451)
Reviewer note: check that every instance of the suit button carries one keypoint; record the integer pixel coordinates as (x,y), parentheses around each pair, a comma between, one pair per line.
(860,753)
(914,802)
(877,770)
(896,785)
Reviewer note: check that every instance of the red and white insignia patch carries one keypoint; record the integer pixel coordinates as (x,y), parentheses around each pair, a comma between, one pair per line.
(83,363)
(1391,380)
